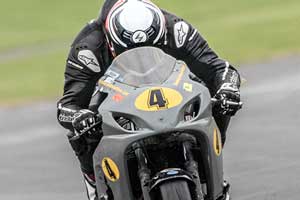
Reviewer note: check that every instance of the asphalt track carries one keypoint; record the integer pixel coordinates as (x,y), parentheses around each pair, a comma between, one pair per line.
(262,154)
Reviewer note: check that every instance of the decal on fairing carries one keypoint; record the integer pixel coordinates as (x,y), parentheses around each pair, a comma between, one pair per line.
(110,169)
(180,75)
(188,87)
(113,87)
(155,99)
(217,142)
(118,98)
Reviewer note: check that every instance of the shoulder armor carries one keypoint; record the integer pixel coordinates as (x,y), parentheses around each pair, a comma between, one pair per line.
(178,29)
(88,58)
(181,30)
(86,48)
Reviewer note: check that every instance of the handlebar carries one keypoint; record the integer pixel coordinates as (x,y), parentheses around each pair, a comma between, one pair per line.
(226,102)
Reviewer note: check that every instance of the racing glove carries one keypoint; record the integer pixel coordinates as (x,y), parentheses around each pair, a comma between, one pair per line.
(229,97)
(85,137)
(85,120)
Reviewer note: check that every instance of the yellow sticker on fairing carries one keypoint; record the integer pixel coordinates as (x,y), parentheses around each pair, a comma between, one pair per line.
(110,169)
(155,99)
(217,142)
(188,87)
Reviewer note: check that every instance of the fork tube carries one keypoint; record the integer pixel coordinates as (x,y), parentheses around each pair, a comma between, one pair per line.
(143,172)
(192,167)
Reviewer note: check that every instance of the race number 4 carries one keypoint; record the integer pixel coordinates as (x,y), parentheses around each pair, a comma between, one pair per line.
(157,99)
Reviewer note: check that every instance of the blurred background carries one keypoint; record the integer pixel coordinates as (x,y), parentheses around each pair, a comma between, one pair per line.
(261,38)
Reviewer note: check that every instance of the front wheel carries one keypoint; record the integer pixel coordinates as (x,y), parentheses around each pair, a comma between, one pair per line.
(175,190)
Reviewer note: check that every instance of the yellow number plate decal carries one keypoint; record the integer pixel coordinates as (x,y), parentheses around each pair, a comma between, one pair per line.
(110,169)
(217,142)
(155,99)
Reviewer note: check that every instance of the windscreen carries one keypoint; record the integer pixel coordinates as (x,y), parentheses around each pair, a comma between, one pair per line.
(142,66)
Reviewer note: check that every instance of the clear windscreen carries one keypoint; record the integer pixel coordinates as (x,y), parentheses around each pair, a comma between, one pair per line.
(142,66)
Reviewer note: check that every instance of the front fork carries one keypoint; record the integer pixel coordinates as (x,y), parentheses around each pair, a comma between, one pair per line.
(143,172)
(190,164)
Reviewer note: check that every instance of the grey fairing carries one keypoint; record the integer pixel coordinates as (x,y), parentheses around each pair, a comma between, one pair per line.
(116,140)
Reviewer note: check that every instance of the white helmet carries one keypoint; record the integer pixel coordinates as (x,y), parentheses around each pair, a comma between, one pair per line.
(133,23)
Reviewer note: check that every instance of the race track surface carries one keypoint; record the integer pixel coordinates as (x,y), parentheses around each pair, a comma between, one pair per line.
(261,156)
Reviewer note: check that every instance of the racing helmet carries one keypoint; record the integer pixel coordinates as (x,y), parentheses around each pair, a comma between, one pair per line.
(134,23)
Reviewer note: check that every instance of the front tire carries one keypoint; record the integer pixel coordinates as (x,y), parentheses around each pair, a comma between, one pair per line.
(175,190)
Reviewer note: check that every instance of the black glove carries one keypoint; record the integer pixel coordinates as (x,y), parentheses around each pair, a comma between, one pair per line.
(229,97)
(83,120)
(85,142)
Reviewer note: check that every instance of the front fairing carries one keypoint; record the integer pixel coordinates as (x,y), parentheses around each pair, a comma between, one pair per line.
(129,92)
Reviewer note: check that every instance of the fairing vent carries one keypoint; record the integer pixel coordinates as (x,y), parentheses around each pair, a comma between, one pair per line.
(126,123)
(192,110)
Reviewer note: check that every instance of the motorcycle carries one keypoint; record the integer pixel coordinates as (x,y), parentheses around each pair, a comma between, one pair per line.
(160,141)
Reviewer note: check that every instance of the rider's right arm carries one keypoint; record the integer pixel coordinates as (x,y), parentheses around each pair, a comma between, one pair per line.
(81,75)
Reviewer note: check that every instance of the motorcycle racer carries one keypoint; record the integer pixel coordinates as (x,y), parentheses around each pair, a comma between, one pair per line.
(123,25)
